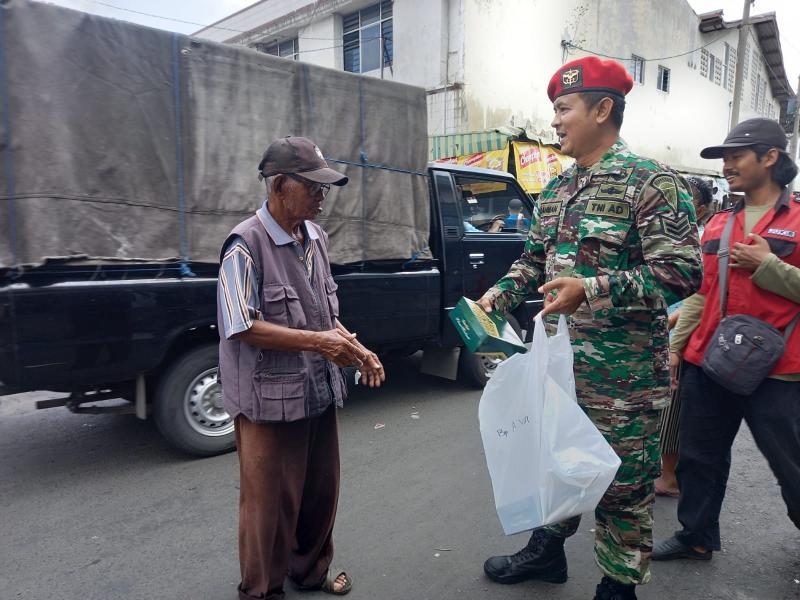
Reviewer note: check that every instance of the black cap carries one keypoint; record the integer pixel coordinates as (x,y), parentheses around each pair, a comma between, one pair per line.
(747,133)
(300,156)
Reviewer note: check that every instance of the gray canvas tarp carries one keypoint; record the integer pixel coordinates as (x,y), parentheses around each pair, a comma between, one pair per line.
(126,142)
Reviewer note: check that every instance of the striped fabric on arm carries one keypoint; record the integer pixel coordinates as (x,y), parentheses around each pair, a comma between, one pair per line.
(238,289)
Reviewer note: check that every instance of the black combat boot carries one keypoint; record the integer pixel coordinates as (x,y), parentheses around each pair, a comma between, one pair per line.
(543,558)
(614,590)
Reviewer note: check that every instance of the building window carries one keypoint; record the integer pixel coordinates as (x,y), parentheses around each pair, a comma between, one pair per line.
(762,95)
(729,68)
(713,63)
(367,38)
(717,70)
(663,78)
(637,68)
(704,59)
(287,49)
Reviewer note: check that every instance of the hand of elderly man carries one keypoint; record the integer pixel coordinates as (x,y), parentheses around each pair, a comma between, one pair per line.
(340,348)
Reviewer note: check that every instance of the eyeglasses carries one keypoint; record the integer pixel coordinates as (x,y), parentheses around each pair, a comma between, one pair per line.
(312,186)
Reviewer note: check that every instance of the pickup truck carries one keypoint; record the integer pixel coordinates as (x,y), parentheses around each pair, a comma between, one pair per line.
(148,335)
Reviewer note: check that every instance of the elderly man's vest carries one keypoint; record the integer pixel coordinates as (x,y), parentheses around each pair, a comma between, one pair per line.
(277,385)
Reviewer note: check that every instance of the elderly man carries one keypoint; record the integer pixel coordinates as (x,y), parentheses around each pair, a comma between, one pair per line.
(280,356)
(613,240)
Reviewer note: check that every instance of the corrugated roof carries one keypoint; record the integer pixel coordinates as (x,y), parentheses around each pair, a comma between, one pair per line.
(766,30)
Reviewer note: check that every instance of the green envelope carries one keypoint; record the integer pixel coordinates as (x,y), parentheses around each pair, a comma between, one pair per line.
(487,334)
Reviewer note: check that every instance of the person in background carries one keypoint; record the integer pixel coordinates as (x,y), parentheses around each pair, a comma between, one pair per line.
(513,220)
(667,484)
(763,282)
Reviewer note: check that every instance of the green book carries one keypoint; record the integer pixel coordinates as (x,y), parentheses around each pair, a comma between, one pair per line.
(487,334)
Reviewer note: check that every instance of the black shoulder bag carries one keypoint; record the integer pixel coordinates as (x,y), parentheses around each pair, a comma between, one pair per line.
(744,349)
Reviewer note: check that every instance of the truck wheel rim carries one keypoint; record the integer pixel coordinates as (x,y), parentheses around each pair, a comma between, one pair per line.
(203,406)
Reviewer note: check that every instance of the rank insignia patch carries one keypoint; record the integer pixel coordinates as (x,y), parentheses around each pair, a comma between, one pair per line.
(676,228)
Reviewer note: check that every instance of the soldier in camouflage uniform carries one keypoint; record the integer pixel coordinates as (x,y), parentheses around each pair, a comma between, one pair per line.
(612,243)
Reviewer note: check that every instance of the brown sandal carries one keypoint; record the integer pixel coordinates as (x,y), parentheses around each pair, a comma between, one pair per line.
(327,584)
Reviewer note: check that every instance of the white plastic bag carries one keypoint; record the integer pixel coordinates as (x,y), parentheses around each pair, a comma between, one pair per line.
(546,459)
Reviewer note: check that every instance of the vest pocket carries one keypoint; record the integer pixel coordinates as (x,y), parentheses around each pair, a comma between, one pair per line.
(280,394)
(781,247)
(281,305)
(333,302)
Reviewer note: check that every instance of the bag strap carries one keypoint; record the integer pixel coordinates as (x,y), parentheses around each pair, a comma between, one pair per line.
(723,257)
(790,327)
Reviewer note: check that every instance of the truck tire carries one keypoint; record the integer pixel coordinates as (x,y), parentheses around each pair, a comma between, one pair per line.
(188,405)
(475,371)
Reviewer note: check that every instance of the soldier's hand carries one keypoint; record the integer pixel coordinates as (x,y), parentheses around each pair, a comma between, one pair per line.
(750,256)
(562,295)
(486,304)
(674,364)
(340,348)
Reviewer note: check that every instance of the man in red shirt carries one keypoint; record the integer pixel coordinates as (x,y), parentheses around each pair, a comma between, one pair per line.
(763,282)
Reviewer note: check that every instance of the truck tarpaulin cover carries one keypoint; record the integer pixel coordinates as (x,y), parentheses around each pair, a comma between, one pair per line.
(119,141)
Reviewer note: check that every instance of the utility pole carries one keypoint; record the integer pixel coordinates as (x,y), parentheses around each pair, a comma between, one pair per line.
(737,86)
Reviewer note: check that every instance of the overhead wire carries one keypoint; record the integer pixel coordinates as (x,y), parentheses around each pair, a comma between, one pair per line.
(316,6)
(202,25)
(571,45)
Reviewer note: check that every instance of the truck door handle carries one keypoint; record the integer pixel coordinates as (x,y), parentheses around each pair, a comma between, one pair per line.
(476,259)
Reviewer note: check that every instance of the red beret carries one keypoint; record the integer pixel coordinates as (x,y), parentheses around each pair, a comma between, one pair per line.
(590,74)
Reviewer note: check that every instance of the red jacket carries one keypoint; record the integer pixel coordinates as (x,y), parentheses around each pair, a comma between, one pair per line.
(780,226)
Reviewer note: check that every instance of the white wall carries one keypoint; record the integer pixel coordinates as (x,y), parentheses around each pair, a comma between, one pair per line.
(260,13)
(320,43)
(510,57)
(487,63)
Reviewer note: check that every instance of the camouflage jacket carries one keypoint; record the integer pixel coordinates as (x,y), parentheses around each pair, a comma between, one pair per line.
(626,226)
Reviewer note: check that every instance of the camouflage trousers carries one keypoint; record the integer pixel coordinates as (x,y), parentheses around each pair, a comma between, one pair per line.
(624,517)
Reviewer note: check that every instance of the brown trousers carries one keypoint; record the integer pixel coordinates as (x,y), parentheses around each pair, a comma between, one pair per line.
(289,490)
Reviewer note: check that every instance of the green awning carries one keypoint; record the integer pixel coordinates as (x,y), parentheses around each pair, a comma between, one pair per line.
(459,144)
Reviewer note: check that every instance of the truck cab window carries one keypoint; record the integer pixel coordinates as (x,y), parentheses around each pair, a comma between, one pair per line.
(491,206)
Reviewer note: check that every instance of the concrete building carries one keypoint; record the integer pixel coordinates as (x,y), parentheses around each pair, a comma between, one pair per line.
(486,63)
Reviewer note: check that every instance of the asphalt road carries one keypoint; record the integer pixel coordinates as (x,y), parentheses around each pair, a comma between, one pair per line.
(100,508)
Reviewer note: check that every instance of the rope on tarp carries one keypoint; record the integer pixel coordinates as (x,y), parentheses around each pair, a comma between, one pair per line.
(176,87)
(414,256)
(368,165)
(362,155)
(307,89)
(8,162)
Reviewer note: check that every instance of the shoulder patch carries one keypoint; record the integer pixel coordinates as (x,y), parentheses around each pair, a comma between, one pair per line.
(669,189)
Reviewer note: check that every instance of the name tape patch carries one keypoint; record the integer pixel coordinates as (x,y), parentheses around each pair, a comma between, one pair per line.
(783,232)
(549,209)
(609,208)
